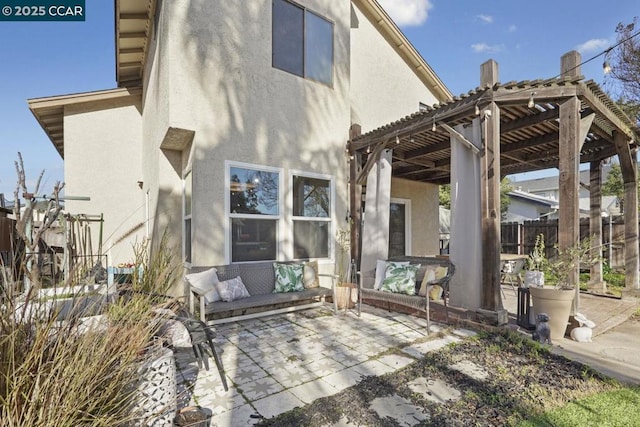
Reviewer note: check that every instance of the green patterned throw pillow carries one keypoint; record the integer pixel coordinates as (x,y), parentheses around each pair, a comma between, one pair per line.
(400,279)
(288,277)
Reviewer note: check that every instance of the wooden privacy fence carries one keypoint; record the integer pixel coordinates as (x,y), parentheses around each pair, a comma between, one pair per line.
(520,238)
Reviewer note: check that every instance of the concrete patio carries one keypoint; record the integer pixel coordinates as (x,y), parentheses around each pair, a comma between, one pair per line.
(274,364)
(277,363)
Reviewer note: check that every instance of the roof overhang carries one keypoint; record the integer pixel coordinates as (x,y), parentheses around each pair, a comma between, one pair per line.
(133,21)
(404,48)
(49,111)
(529,136)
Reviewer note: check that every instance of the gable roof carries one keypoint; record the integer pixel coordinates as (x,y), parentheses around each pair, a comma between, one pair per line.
(134,26)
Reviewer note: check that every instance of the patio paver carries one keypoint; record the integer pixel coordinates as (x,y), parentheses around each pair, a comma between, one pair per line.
(279,362)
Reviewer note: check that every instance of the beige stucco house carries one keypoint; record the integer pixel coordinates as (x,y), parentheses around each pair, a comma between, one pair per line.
(229,125)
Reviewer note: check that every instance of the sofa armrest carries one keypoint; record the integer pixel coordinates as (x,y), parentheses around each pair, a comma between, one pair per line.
(334,282)
(200,298)
(333,277)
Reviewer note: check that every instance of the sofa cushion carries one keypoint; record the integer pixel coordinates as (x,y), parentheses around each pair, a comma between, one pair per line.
(232,289)
(310,275)
(204,283)
(432,274)
(400,279)
(288,277)
(381,268)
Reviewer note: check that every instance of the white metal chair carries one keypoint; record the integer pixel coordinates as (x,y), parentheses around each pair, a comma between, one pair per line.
(511,274)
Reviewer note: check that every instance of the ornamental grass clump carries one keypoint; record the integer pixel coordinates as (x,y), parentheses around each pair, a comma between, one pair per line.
(73,368)
(70,373)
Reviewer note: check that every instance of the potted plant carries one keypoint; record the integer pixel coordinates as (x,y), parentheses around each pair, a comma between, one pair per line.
(536,262)
(556,300)
(345,290)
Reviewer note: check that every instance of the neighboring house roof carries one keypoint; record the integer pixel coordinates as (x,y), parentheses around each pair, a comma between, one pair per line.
(550,183)
(533,198)
(608,204)
(49,111)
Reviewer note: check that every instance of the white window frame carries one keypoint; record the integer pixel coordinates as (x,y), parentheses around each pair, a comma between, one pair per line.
(187,171)
(330,219)
(305,74)
(407,222)
(228,216)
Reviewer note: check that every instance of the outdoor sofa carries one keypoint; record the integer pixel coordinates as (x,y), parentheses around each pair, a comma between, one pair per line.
(259,280)
(431,280)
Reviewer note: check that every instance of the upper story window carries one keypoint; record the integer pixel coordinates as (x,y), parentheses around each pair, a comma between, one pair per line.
(302,42)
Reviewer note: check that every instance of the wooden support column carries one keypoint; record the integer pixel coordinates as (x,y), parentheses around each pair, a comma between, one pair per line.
(569,171)
(355,195)
(595,219)
(490,198)
(628,163)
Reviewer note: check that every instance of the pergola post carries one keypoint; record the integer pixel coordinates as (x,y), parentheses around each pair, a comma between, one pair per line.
(569,168)
(490,200)
(355,194)
(628,163)
(595,219)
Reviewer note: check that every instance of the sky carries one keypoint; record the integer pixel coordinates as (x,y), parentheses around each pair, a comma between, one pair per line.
(525,38)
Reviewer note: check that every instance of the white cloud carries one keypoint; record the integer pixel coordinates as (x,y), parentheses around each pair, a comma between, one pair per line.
(407,12)
(593,45)
(487,19)
(512,28)
(485,48)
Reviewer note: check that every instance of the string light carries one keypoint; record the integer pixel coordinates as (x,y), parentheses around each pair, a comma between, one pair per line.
(531,102)
(397,139)
(477,110)
(606,67)
(433,126)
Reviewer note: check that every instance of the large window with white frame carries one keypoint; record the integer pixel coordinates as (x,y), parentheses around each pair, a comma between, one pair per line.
(253,200)
(312,200)
(302,42)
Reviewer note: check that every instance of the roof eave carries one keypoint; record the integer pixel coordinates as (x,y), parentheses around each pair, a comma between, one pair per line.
(405,49)
(49,111)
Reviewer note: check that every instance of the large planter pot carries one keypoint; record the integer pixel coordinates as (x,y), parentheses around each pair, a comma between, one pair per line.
(156,399)
(557,304)
(346,295)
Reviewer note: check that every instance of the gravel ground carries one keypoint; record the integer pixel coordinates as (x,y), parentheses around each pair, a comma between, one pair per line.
(524,378)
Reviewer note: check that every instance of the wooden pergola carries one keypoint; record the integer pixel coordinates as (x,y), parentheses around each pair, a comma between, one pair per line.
(524,126)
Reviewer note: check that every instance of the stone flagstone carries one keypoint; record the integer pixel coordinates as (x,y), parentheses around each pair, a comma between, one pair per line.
(399,409)
(469,368)
(277,403)
(436,390)
(418,350)
(395,360)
